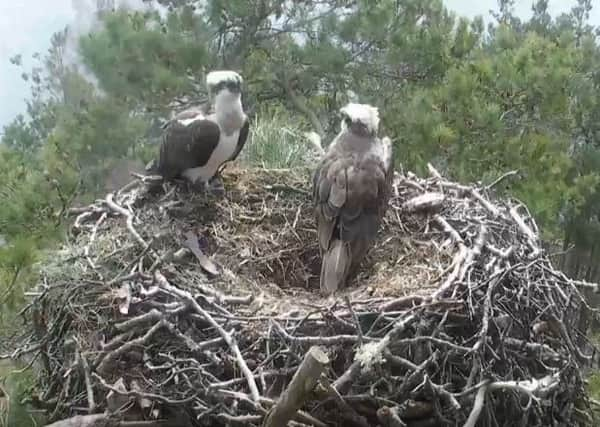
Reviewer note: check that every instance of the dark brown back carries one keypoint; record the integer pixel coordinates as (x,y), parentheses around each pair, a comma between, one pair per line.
(351,189)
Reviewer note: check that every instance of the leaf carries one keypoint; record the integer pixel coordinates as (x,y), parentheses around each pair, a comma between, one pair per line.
(192,243)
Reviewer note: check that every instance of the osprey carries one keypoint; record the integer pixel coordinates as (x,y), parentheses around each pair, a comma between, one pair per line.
(197,142)
(351,189)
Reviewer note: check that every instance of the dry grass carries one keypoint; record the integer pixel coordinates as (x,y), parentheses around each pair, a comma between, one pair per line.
(263,234)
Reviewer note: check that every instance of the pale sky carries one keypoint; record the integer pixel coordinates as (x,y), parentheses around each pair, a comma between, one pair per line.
(26,27)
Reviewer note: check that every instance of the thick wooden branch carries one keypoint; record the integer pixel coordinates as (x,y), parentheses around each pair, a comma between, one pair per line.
(300,104)
(427,202)
(303,383)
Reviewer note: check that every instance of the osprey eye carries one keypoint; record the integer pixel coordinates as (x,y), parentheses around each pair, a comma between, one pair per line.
(348,120)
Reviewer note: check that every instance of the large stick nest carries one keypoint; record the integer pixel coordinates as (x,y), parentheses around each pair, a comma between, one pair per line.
(457,318)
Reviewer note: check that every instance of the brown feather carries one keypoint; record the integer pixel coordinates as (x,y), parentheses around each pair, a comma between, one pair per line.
(351,189)
(336,264)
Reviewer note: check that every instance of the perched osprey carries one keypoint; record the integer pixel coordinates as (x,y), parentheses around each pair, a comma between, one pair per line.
(197,142)
(351,188)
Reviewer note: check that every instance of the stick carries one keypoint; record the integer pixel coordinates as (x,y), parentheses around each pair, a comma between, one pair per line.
(128,215)
(388,416)
(139,394)
(531,236)
(501,178)
(355,318)
(434,172)
(129,345)
(531,388)
(227,336)
(302,384)
(477,407)
(424,202)
(347,410)
(327,341)
(88,382)
(300,416)
(86,249)
(355,368)
(82,421)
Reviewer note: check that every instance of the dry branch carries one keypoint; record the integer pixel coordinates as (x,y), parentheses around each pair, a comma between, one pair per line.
(389,417)
(227,336)
(297,392)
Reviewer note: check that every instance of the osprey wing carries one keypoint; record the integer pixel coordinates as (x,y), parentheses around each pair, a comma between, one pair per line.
(187,146)
(189,113)
(243,136)
(349,195)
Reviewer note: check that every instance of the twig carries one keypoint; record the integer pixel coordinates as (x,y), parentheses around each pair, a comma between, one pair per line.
(370,354)
(501,178)
(347,410)
(112,355)
(164,284)
(81,421)
(86,249)
(355,318)
(129,217)
(150,396)
(325,341)
(388,417)
(87,375)
(531,236)
(300,415)
(477,407)
(240,419)
(532,388)
(428,202)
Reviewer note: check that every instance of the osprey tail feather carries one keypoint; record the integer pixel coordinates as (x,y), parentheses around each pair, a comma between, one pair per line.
(335,266)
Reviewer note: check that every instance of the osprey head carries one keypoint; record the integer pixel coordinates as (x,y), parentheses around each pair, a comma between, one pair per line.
(219,81)
(360,119)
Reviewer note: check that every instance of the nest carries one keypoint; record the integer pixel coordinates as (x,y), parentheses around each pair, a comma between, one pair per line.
(174,308)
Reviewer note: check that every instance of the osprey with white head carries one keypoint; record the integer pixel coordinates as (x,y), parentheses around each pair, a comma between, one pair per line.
(197,142)
(351,189)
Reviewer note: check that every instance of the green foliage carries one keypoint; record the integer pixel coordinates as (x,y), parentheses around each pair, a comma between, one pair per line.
(16,385)
(275,141)
(155,59)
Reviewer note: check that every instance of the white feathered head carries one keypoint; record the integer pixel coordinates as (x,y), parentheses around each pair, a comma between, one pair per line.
(216,81)
(360,116)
